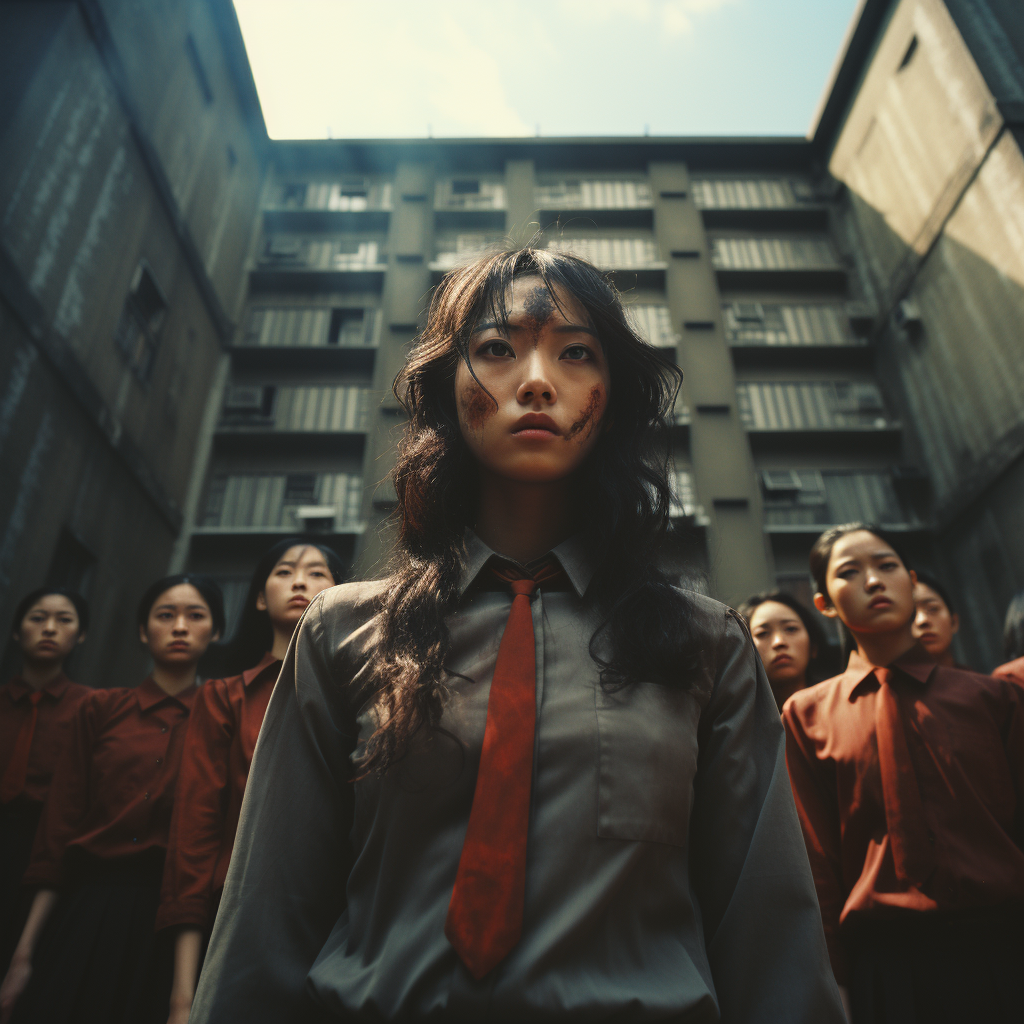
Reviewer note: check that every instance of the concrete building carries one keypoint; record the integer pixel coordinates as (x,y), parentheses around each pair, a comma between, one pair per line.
(845,308)
(132,152)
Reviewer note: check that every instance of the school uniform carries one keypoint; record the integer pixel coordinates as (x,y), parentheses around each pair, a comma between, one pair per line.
(33,730)
(219,744)
(908,783)
(101,845)
(654,864)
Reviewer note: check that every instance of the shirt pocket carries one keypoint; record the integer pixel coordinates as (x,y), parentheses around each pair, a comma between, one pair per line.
(647,758)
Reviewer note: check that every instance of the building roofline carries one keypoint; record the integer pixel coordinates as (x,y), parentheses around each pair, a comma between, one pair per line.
(855,52)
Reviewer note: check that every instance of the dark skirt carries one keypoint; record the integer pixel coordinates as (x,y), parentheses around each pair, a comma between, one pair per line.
(18,822)
(98,960)
(933,968)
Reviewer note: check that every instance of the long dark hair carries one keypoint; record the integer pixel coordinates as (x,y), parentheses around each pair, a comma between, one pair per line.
(650,627)
(254,635)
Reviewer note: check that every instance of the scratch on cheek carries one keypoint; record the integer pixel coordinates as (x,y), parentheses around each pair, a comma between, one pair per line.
(477,406)
(595,403)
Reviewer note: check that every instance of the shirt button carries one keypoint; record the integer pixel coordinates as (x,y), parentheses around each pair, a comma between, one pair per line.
(135,839)
(163,728)
(146,797)
(159,760)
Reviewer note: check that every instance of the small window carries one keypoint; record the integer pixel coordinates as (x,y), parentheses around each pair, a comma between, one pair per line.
(346,327)
(465,187)
(908,56)
(284,248)
(138,331)
(293,194)
(300,487)
(354,187)
(202,80)
(749,312)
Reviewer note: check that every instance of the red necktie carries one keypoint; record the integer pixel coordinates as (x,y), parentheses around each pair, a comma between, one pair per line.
(13,781)
(912,849)
(485,916)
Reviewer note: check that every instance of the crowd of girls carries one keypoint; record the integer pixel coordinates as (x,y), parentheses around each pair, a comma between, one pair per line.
(118,807)
(524,776)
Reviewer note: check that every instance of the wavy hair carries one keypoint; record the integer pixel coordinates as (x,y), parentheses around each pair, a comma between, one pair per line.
(650,626)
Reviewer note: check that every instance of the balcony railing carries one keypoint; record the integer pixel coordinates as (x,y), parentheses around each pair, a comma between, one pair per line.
(749,193)
(469,194)
(768,253)
(590,194)
(346,196)
(754,323)
(290,251)
(283,502)
(653,322)
(684,497)
(800,499)
(612,253)
(814,405)
(309,409)
(311,327)
(455,250)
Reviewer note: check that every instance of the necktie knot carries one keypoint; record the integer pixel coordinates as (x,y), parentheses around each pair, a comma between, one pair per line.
(522,588)
(884,676)
(35,698)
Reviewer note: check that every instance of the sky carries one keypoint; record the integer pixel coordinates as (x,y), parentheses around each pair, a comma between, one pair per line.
(500,68)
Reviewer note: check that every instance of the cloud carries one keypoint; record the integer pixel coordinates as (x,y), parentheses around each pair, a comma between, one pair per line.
(674,17)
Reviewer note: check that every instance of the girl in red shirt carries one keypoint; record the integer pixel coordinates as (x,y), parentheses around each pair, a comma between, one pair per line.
(88,951)
(36,709)
(219,744)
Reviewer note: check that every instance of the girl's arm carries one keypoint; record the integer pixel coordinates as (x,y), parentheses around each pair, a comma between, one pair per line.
(188,947)
(762,926)
(20,969)
(285,887)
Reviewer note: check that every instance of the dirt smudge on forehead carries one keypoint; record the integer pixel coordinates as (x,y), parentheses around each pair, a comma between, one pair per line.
(538,305)
(477,406)
(587,419)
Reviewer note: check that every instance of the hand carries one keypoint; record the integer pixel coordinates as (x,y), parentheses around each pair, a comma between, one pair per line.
(14,984)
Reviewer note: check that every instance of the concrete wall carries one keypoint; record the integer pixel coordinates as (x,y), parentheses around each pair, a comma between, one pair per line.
(115,153)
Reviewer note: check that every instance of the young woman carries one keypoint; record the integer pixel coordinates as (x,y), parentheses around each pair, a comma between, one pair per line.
(1013,641)
(936,623)
(522,777)
(907,778)
(221,737)
(36,709)
(88,950)
(787,638)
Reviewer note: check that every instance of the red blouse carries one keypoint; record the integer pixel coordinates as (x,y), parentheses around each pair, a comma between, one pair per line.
(219,746)
(965,740)
(61,701)
(113,786)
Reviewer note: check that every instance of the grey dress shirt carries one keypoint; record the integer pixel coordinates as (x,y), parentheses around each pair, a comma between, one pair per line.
(666,877)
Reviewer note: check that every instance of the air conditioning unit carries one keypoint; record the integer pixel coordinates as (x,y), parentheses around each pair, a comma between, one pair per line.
(907,315)
(243,398)
(748,312)
(861,316)
(316,518)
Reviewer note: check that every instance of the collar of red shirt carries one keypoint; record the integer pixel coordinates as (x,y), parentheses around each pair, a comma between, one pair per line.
(149,694)
(250,674)
(17,688)
(575,556)
(914,663)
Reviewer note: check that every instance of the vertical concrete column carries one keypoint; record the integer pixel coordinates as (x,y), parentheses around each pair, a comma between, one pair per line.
(723,469)
(521,220)
(404,302)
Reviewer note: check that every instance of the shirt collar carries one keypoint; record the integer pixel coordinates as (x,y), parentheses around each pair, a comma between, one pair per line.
(250,674)
(17,688)
(575,556)
(148,694)
(914,663)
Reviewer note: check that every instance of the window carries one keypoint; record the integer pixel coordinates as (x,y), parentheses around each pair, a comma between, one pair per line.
(300,487)
(465,188)
(346,327)
(138,331)
(293,194)
(283,250)
(908,56)
(246,401)
(197,67)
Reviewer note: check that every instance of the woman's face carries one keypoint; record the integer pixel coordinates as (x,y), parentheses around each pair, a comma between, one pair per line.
(49,632)
(299,575)
(782,641)
(549,377)
(179,627)
(934,625)
(869,587)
